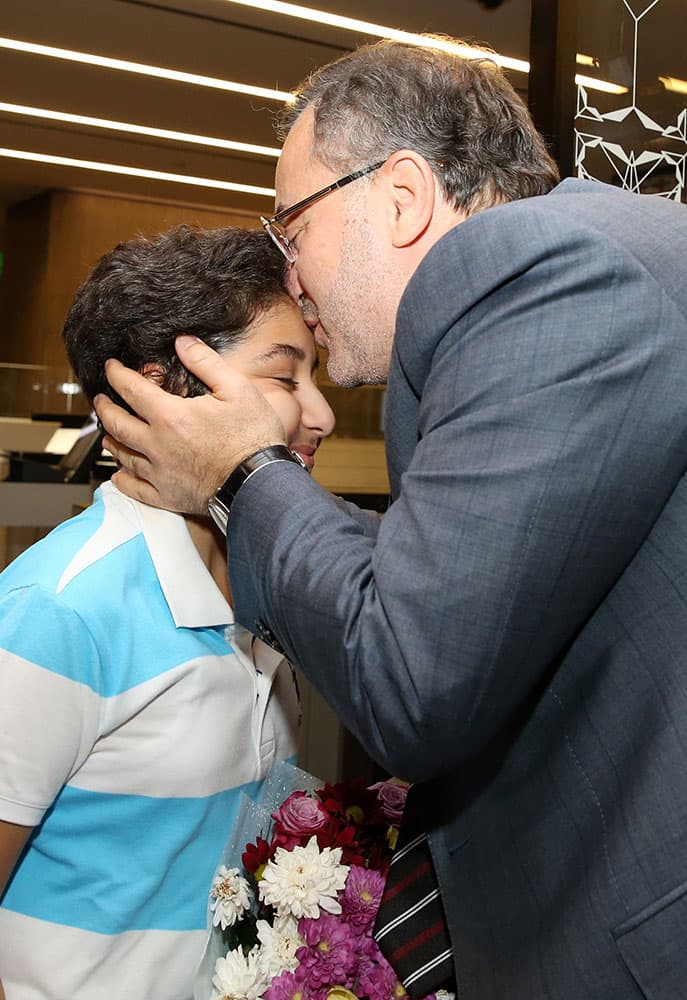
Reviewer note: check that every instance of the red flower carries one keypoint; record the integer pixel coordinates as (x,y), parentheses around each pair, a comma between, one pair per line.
(344,837)
(352,801)
(256,855)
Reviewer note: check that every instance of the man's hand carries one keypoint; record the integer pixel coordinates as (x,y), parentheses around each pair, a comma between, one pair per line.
(178,451)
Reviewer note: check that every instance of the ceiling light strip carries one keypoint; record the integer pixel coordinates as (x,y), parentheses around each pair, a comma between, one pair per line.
(125,66)
(133,129)
(674,83)
(156,175)
(591,83)
(381,31)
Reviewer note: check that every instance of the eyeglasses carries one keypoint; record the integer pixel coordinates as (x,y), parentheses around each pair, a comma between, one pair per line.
(274,228)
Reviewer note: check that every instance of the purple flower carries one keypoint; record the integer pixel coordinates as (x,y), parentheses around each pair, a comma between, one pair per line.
(376,979)
(361,897)
(289,986)
(392,798)
(328,957)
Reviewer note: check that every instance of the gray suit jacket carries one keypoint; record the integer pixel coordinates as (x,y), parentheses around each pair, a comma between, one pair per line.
(513,635)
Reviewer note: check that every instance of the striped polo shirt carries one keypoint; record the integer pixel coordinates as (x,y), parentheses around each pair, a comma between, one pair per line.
(133,713)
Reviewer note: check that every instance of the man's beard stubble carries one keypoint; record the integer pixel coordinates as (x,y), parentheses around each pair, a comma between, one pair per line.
(358,352)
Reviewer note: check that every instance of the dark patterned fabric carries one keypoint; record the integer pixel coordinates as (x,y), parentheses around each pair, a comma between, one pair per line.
(411,927)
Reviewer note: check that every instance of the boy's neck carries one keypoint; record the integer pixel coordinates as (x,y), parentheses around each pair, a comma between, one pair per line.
(212,549)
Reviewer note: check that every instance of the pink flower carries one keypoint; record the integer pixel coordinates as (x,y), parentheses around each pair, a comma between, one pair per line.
(376,979)
(392,798)
(328,957)
(297,819)
(361,897)
(288,986)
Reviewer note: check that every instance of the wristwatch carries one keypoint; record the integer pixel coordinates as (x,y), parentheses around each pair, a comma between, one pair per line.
(219,505)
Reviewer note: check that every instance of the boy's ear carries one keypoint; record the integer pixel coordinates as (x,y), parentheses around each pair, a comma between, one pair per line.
(154,372)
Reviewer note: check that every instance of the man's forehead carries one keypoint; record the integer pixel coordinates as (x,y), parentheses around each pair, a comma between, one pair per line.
(301,133)
(297,172)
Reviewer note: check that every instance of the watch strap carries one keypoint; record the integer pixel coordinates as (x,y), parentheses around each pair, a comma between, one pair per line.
(219,505)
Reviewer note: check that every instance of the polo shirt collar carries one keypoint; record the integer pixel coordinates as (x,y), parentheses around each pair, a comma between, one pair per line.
(193,597)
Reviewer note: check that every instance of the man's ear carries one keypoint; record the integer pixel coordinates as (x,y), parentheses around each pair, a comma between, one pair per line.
(413,195)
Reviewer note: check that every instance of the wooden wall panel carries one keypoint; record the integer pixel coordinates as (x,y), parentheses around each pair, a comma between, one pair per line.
(25,272)
(52,242)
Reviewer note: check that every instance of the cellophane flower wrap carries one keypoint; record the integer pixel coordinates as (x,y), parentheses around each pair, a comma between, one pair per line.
(293,903)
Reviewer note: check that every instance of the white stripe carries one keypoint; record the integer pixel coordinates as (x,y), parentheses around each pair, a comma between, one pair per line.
(54,725)
(156,755)
(401,918)
(410,846)
(46,960)
(437,960)
(62,731)
(114,530)
(232,732)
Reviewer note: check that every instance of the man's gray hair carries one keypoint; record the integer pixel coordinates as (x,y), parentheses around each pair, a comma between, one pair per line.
(461,114)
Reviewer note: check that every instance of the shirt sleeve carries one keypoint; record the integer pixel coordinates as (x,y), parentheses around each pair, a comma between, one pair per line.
(49,705)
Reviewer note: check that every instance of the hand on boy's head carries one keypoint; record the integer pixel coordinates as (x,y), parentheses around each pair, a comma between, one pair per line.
(178,450)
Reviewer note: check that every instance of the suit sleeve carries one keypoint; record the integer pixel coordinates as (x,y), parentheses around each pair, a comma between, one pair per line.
(551,434)
(368,521)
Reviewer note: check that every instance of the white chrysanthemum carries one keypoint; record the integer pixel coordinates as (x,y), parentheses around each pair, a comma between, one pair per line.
(278,945)
(238,976)
(229,897)
(304,880)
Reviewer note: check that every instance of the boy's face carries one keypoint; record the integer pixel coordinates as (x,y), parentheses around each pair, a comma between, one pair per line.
(279,355)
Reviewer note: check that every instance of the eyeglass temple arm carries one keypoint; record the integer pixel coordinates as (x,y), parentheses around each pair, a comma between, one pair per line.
(292,209)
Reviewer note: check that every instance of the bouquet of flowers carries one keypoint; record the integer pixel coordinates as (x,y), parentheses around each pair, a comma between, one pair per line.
(296,918)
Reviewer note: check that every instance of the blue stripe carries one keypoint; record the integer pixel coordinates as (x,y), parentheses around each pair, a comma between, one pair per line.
(104,628)
(45,561)
(111,863)
(121,600)
(35,626)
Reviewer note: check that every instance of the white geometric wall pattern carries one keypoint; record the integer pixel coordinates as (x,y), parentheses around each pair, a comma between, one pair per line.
(629,145)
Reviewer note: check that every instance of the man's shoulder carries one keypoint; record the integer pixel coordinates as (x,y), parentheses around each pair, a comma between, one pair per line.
(573,205)
(577,219)
(584,241)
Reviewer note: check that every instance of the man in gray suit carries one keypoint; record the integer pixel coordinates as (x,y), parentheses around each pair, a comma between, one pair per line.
(512,635)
